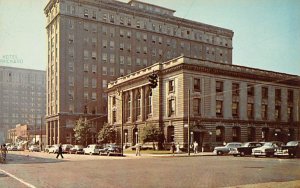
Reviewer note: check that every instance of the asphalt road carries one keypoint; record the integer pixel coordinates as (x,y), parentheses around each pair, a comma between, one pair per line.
(44,170)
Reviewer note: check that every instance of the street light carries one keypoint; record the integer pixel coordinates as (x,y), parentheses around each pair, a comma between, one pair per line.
(125,139)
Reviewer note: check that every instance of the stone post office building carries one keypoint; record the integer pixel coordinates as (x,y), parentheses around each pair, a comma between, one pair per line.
(228,103)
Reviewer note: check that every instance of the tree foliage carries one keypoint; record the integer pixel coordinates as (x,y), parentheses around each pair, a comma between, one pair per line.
(151,133)
(81,131)
(107,134)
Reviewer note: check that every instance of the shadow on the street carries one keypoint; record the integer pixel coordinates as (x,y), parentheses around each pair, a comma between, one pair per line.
(3,175)
(27,159)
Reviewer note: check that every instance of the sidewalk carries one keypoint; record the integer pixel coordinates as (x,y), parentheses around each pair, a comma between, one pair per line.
(182,154)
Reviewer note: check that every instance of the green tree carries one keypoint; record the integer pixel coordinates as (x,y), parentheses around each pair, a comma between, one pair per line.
(151,133)
(82,131)
(107,134)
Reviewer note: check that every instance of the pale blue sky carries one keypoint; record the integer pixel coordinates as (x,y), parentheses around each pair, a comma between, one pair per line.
(266,32)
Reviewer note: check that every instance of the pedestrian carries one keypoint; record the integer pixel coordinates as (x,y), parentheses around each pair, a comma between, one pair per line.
(137,149)
(59,152)
(173,148)
(195,147)
(3,152)
(177,148)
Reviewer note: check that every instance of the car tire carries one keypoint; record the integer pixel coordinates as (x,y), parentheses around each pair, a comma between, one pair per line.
(219,153)
(256,156)
(242,154)
(235,155)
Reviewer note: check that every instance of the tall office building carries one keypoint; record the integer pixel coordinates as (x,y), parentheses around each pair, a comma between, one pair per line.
(91,42)
(22,97)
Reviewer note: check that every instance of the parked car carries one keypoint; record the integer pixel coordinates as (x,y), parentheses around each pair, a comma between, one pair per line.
(34,148)
(12,148)
(46,149)
(77,149)
(20,148)
(53,149)
(292,149)
(92,149)
(268,149)
(110,150)
(245,149)
(66,148)
(221,150)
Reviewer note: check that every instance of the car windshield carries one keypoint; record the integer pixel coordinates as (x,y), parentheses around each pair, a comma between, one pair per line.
(79,146)
(268,144)
(246,144)
(293,143)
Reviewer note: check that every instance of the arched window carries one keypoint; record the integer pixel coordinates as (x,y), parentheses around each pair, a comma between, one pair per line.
(236,134)
(220,133)
(148,102)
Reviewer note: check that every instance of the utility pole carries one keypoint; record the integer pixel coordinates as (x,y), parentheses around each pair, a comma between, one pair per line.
(189,122)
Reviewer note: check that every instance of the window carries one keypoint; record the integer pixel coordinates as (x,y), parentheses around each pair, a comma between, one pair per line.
(149,103)
(290,113)
(277,95)
(145,49)
(197,106)
(138,25)
(94,83)
(128,60)
(250,110)
(138,61)
(121,46)
(235,109)
(264,92)
(219,108)
(85,26)
(71,94)
(114,116)
(85,54)
(128,107)
(86,82)
(138,105)
(112,58)
(71,66)
(104,57)
(94,68)
(112,45)
(104,83)
(264,111)
(171,107)
(122,72)
(71,81)
(236,134)
(277,113)
(121,33)
(94,96)
(171,86)
(104,70)
(235,89)
(290,96)
(104,43)
(111,71)
(85,67)
(86,13)
(104,17)
(219,86)
(250,90)
(111,18)
(122,59)
(94,55)
(94,15)
(121,20)
(220,133)
(197,85)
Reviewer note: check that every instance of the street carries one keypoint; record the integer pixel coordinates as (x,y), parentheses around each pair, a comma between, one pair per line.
(44,170)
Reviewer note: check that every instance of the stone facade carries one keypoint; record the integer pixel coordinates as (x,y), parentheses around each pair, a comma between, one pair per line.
(91,43)
(211,85)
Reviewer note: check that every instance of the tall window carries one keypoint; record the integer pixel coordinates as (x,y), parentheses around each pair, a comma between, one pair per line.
(219,108)
(128,114)
(219,86)
(290,96)
(264,92)
(277,113)
(235,109)
(197,106)
(138,104)
(114,118)
(171,86)
(171,107)
(220,134)
(235,89)
(250,90)
(277,95)
(236,134)
(197,85)
(264,111)
(251,134)
(290,113)
(250,110)
(149,103)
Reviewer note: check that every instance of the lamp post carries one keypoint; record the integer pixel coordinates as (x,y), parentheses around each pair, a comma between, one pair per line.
(275,136)
(210,140)
(189,152)
(125,139)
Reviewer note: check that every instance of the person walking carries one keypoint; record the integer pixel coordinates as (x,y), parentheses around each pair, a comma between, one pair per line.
(177,148)
(59,152)
(3,152)
(173,148)
(137,149)
(195,147)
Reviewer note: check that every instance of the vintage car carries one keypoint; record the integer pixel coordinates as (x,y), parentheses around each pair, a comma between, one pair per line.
(92,149)
(268,149)
(77,149)
(221,150)
(245,149)
(110,150)
(291,149)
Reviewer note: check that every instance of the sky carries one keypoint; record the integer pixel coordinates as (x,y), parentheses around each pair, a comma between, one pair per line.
(266,32)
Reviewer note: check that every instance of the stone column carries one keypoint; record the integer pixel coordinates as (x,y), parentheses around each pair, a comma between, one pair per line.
(143,115)
(47,133)
(58,132)
(51,129)
(54,132)
(131,106)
